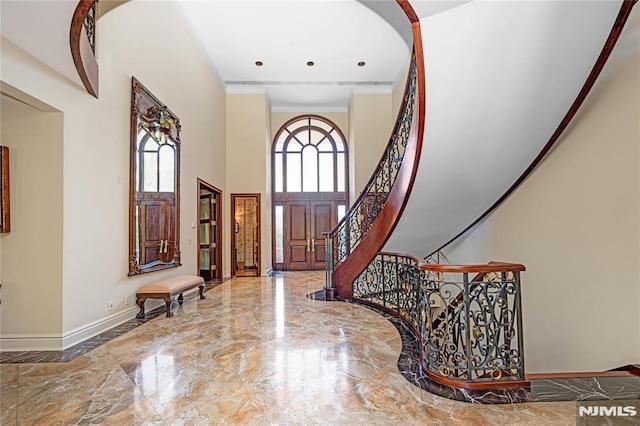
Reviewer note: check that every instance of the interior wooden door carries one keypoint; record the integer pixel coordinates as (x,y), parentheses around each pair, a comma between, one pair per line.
(245,240)
(209,231)
(297,232)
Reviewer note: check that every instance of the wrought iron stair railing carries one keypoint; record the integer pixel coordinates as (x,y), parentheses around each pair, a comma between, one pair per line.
(361,217)
(469,329)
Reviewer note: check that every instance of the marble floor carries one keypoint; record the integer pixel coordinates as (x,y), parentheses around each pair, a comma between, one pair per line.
(257,351)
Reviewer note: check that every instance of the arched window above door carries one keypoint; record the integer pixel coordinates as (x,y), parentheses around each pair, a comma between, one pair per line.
(310,155)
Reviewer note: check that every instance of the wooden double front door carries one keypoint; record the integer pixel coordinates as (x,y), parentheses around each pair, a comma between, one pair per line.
(304,223)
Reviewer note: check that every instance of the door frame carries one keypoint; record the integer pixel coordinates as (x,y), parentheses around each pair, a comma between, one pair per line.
(281,198)
(233,231)
(204,185)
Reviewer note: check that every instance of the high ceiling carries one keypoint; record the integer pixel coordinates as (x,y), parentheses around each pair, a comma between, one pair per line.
(285,35)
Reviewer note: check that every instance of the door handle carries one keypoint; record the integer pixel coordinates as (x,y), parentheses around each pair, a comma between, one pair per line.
(161,246)
(166,245)
(308,244)
(313,245)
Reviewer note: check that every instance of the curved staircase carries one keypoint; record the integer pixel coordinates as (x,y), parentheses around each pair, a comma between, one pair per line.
(491,88)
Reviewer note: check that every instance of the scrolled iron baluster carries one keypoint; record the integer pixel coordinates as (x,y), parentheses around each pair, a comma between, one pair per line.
(472,336)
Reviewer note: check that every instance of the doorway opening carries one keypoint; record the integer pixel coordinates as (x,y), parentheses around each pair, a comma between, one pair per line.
(209,231)
(309,187)
(245,235)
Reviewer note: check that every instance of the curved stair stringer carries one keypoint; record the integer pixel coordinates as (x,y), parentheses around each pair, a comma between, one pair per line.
(82,53)
(497,127)
(390,212)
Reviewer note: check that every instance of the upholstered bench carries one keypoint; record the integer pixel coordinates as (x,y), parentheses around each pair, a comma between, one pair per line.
(167,289)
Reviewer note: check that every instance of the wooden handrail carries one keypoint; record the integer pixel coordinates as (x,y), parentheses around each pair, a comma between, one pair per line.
(484,268)
(408,10)
(387,218)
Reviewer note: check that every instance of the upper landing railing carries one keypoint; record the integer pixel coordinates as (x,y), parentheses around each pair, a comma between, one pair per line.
(82,40)
(469,327)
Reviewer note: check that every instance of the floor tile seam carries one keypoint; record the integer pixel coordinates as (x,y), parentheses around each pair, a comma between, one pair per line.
(135,386)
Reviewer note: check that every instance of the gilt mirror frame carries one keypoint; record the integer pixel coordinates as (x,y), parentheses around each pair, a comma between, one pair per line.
(5,222)
(154,187)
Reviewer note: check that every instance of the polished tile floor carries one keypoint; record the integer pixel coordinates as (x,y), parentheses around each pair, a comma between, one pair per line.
(257,351)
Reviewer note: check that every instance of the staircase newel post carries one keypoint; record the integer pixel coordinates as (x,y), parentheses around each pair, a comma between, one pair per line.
(518,307)
(382,283)
(397,279)
(467,331)
(329,289)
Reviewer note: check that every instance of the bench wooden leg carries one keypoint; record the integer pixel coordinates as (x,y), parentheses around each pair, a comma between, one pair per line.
(201,291)
(168,301)
(140,303)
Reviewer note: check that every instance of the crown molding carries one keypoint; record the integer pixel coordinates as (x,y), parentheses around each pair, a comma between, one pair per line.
(245,90)
(309,108)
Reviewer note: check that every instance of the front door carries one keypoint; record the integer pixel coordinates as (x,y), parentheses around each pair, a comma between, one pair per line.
(309,190)
(305,221)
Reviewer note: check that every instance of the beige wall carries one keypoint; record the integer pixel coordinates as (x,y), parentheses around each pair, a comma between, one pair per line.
(371,120)
(95,190)
(398,92)
(574,223)
(31,261)
(248,159)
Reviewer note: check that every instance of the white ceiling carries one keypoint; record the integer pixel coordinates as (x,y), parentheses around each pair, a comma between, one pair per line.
(285,35)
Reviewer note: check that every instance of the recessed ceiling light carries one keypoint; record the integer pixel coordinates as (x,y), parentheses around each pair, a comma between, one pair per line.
(310,63)
(362,63)
(259,63)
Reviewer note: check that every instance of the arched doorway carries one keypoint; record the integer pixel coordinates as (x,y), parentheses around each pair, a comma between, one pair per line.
(309,187)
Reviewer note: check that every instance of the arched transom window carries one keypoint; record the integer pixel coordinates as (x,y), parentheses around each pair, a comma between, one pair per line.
(310,155)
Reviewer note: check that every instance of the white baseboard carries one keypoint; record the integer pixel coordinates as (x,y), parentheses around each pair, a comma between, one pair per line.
(267,272)
(87,331)
(57,342)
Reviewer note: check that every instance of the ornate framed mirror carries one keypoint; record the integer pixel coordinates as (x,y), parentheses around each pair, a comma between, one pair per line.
(5,223)
(154,195)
